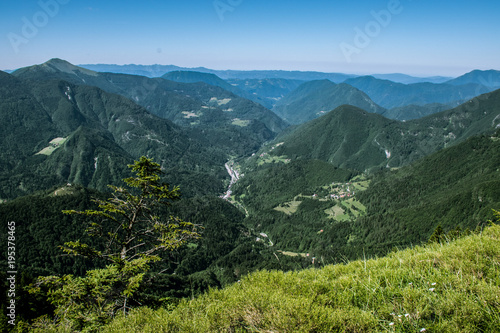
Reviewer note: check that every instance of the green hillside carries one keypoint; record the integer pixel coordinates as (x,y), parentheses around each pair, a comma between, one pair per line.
(205,109)
(104,132)
(309,206)
(345,137)
(437,288)
(313,99)
(410,112)
(352,138)
(212,79)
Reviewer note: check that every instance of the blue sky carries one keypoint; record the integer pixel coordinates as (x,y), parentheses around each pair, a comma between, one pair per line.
(417,37)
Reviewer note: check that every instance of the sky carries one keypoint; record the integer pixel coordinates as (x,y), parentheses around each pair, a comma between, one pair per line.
(415,37)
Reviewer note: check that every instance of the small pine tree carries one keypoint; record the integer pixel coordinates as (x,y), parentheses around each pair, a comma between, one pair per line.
(132,233)
(137,228)
(438,235)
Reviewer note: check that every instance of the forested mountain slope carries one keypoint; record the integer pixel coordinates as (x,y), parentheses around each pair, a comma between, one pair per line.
(313,99)
(212,79)
(270,91)
(204,109)
(309,206)
(54,132)
(352,138)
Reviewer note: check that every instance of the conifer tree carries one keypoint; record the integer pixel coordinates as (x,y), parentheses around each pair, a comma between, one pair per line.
(129,223)
(438,235)
(132,232)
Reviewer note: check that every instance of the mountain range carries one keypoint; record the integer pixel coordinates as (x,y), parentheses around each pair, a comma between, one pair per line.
(489,78)
(390,94)
(208,110)
(54,132)
(409,101)
(353,138)
(160,70)
(324,177)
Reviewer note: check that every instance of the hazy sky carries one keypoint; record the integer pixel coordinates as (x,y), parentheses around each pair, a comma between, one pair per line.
(418,37)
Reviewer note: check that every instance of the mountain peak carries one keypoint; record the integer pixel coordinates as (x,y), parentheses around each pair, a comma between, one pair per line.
(52,66)
(60,65)
(489,78)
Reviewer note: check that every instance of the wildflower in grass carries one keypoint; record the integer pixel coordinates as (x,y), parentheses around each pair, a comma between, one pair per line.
(407,315)
(423,330)
(433,284)
(432,289)
(391,324)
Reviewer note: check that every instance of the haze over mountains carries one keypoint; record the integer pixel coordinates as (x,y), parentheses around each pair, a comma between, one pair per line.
(400,94)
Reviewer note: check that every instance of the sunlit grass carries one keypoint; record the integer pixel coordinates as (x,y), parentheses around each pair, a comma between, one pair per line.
(438,288)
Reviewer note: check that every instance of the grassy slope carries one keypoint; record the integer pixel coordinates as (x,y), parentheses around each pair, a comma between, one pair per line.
(443,288)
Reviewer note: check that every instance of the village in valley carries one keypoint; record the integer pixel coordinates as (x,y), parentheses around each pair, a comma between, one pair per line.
(340,202)
(344,207)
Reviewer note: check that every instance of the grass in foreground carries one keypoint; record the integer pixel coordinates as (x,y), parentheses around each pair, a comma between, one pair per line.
(438,288)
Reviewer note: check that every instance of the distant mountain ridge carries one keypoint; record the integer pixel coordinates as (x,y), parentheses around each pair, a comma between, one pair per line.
(160,70)
(414,98)
(489,78)
(407,79)
(390,94)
